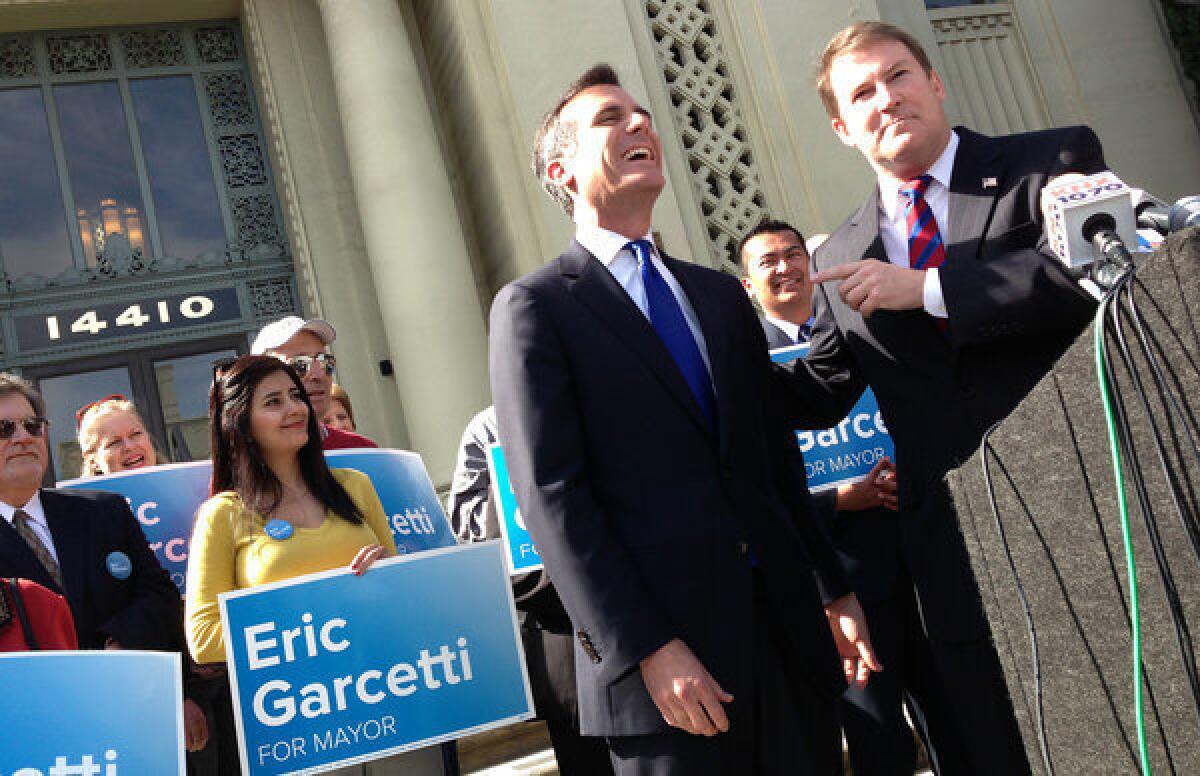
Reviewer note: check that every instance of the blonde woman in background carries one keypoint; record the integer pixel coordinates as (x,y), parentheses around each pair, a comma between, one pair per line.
(113,437)
(340,414)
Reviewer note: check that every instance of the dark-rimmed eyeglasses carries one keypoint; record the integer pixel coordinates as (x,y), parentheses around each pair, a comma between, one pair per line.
(303,363)
(34,425)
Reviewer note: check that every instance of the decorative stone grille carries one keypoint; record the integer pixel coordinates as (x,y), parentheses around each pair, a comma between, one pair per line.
(242,160)
(272,299)
(228,99)
(79,54)
(216,44)
(16,58)
(153,48)
(714,133)
(255,219)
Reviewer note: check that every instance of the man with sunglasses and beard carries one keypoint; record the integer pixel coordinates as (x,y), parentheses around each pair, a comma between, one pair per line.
(84,545)
(301,344)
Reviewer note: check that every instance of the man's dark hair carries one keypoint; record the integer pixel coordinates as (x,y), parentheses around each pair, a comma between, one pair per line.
(554,137)
(766,226)
(855,37)
(238,463)
(11,384)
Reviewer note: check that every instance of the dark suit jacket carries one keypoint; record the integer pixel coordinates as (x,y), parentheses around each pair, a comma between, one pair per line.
(1013,310)
(647,521)
(142,611)
(853,534)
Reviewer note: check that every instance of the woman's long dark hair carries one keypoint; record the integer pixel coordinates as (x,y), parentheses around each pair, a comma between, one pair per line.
(238,463)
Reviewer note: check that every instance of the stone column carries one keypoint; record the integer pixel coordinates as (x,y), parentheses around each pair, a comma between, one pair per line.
(427,294)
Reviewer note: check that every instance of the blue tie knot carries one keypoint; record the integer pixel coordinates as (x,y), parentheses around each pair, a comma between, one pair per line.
(642,250)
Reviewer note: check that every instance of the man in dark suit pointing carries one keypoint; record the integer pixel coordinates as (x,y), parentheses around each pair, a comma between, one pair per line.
(938,293)
(633,392)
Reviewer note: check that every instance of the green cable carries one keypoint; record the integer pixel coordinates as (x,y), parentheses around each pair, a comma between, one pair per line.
(1139,710)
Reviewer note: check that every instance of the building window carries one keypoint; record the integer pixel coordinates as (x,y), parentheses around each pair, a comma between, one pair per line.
(130,150)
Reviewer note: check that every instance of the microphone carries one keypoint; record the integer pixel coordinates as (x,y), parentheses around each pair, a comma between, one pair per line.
(1090,219)
(1185,213)
(1151,212)
(1162,218)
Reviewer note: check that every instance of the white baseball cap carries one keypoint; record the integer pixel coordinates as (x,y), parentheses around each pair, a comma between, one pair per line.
(278,332)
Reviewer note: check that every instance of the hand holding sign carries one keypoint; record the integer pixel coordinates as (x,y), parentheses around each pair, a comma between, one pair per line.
(877,489)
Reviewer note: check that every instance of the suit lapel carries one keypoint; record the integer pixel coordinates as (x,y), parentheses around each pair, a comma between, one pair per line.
(595,287)
(71,543)
(864,241)
(974,185)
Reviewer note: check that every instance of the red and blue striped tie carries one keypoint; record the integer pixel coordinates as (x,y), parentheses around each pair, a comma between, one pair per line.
(925,248)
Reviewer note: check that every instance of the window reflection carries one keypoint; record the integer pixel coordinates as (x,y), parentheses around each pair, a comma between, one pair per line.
(183,385)
(178,165)
(100,165)
(66,394)
(33,227)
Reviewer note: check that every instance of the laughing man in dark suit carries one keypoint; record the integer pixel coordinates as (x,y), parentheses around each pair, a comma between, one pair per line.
(938,293)
(632,392)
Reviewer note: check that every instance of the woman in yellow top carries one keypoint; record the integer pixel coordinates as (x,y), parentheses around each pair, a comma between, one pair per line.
(278,510)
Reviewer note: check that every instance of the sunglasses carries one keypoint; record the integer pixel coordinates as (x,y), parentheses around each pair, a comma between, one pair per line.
(303,363)
(34,425)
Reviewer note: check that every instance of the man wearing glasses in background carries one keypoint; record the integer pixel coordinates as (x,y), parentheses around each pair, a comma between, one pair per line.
(301,344)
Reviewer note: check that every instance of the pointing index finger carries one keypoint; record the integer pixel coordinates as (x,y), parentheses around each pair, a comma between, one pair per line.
(840,272)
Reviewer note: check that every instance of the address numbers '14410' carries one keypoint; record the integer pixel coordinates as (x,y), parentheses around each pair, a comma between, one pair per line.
(89,322)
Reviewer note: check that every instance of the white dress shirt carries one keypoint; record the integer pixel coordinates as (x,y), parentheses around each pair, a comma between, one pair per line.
(789,328)
(37,520)
(893,227)
(609,248)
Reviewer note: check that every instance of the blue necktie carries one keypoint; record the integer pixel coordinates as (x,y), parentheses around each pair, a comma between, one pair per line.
(666,316)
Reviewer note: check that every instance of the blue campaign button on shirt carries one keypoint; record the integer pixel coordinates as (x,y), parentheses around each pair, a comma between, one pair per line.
(279,529)
(119,564)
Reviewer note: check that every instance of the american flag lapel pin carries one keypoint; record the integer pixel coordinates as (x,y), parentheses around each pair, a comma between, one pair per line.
(990,182)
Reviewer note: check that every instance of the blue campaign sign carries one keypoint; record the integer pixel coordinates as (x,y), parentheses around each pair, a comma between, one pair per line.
(846,452)
(521,555)
(165,498)
(331,669)
(416,516)
(107,712)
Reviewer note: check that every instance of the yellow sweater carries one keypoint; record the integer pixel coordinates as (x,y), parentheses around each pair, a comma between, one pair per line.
(230,550)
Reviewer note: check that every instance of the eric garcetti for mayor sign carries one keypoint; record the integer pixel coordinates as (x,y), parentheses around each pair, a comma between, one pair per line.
(165,498)
(333,669)
(846,452)
(104,713)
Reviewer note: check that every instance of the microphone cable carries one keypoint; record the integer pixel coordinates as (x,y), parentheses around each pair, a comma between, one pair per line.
(1170,588)
(1103,378)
